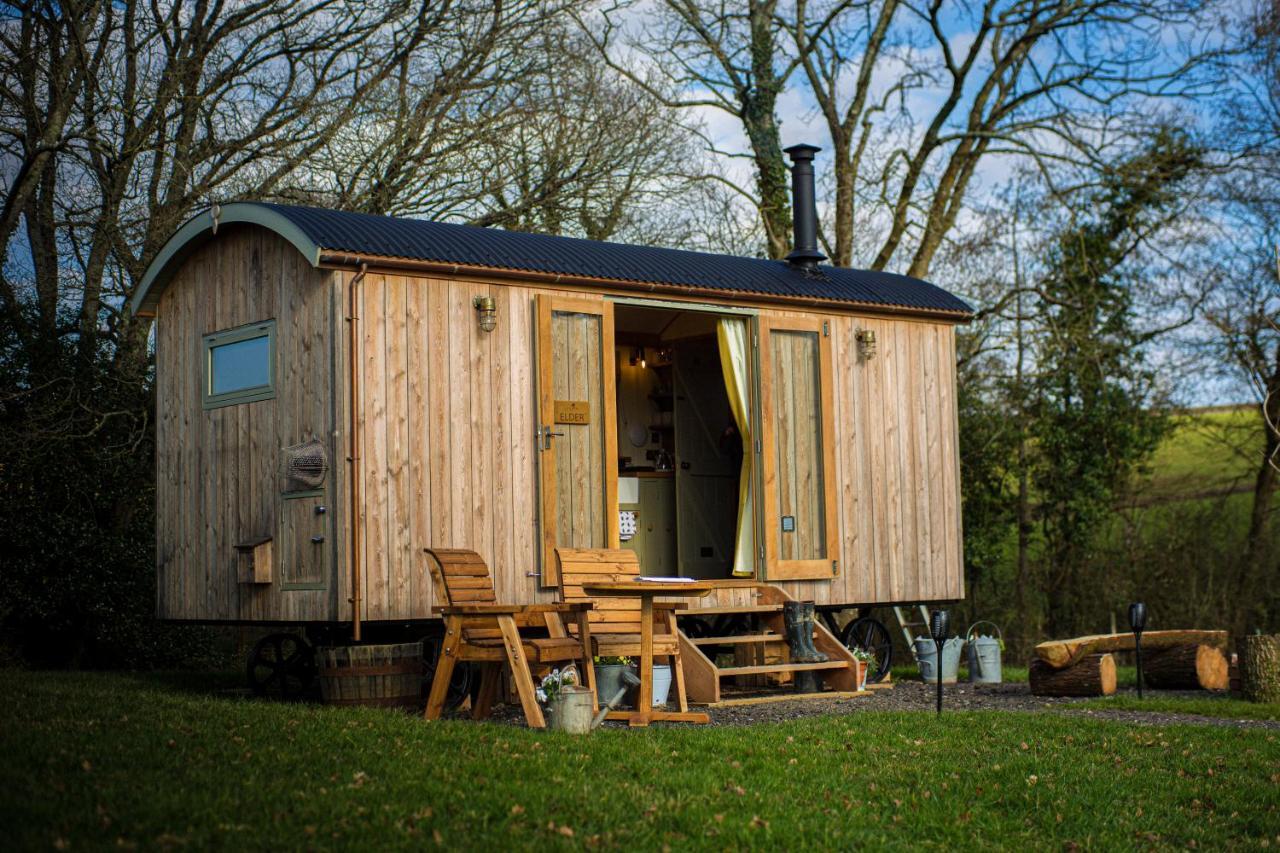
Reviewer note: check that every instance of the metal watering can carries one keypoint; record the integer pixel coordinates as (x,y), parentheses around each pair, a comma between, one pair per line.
(984,654)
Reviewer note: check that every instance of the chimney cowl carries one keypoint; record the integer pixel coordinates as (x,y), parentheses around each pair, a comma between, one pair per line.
(804,208)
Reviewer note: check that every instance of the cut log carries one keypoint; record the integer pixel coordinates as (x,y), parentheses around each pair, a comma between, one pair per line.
(1260,667)
(1186,668)
(1095,675)
(1060,653)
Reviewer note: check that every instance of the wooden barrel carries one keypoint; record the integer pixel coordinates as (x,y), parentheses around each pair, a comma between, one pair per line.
(376,676)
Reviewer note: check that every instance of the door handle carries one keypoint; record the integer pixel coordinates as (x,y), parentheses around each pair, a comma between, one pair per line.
(317,539)
(547,435)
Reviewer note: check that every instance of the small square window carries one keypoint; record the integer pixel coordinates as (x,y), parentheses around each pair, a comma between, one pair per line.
(239,365)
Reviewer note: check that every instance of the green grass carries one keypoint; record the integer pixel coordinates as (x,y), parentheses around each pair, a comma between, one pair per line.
(99,760)
(1206,451)
(1204,706)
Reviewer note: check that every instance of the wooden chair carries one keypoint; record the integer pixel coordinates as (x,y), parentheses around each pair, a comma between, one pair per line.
(479,630)
(614,623)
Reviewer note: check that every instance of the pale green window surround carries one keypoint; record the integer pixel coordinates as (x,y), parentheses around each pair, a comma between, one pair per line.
(239,365)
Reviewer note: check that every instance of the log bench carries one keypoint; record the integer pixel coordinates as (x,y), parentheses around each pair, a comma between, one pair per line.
(1083,666)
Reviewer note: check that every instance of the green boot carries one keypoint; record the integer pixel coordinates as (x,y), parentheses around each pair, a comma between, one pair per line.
(793,617)
(810,619)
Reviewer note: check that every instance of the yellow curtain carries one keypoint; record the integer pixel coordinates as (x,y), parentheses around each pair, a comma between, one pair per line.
(732,335)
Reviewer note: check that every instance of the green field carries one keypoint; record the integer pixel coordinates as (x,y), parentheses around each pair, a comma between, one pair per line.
(1208,453)
(102,761)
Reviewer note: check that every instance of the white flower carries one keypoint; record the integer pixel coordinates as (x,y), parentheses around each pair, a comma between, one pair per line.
(542,695)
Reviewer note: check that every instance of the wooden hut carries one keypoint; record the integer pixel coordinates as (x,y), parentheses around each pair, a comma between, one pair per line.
(337,391)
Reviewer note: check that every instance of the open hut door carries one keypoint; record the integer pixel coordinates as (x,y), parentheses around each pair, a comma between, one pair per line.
(577,436)
(801,538)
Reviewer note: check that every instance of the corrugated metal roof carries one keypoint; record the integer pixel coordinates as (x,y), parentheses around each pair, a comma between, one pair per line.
(420,240)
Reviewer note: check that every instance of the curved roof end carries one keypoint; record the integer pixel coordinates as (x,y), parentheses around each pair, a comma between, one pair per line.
(200,229)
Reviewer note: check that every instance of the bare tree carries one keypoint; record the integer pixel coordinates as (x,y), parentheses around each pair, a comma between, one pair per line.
(1245,311)
(916,96)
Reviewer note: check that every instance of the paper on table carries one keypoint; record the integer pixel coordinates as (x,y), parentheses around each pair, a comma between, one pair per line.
(666,580)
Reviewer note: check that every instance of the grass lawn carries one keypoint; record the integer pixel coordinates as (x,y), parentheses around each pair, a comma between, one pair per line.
(98,760)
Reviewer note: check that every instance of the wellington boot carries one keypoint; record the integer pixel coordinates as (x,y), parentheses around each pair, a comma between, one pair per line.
(793,619)
(810,618)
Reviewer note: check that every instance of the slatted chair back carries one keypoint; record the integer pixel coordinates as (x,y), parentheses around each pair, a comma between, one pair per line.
(582,566)
(461,576)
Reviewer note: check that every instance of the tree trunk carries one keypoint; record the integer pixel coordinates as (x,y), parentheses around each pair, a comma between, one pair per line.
(1093,676)
(1260,668)
(1264,489)
(1190,667)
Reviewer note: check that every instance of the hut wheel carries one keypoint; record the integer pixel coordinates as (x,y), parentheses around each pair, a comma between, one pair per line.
(281,666)
(871,635)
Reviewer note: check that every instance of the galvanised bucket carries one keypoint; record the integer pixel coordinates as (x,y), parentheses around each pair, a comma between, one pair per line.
(984,655)
(926,658)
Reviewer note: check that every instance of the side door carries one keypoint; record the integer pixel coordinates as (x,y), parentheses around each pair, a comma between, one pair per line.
(801,537)
(577,433)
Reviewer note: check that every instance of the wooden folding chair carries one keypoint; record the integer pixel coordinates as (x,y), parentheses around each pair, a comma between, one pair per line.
(614,623)
(479,630)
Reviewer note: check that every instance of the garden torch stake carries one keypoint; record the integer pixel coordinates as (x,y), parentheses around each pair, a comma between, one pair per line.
(939,623)
(1138,621)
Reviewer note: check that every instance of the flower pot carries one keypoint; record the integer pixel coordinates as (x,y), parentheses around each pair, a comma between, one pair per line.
(863,669)
(608,680)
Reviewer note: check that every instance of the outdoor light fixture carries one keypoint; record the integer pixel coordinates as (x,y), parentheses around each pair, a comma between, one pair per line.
(1138,622)
(866,344)
(487,311)
(939,627)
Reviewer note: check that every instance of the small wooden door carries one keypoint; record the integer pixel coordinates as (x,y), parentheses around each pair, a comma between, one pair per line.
(801,539)
(304,548)
(577,436)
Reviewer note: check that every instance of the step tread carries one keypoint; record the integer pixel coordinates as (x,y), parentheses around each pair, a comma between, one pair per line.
(743,608)
(762,669)
(738,638)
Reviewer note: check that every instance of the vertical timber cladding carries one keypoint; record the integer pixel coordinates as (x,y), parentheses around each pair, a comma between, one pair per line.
(218,470)
(897,452)
(896,461)
(577,435)
(447,416)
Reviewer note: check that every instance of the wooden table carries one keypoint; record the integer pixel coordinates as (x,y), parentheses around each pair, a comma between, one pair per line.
(647,591)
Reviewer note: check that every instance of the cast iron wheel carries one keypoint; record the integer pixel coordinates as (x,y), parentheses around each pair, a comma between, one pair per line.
(871,635)
(282,666)
(695,627)
(461,684)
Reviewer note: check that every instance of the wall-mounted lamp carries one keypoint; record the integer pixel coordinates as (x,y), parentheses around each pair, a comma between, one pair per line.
(637,357)
(486,311)
(866,344)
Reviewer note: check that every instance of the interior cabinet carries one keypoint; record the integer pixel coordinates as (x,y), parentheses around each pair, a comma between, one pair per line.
(655,539)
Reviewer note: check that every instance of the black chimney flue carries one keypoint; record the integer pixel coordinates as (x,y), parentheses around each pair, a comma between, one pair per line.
(804,207)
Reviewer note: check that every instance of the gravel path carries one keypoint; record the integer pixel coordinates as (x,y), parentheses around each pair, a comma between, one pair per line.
(915,696)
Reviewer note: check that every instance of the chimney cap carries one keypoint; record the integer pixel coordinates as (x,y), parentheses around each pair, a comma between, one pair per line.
(801,151)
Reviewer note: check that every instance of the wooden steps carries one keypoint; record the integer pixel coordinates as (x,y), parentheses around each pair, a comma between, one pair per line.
(761,655)
(764,669)
(737,639)
(742,608)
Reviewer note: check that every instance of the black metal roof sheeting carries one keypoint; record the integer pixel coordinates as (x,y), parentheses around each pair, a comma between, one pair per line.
(416,239)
